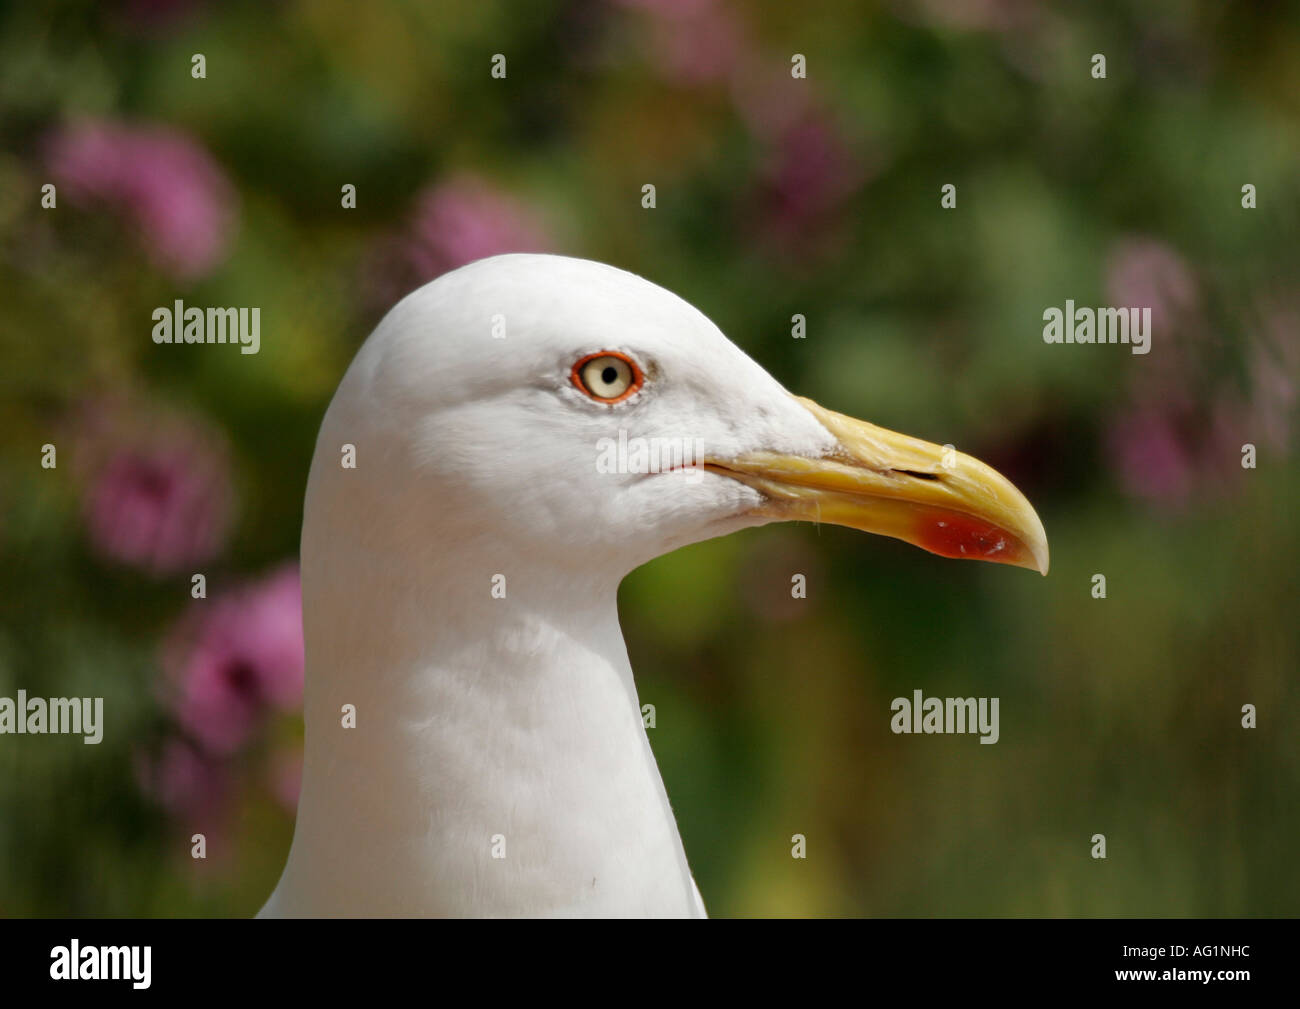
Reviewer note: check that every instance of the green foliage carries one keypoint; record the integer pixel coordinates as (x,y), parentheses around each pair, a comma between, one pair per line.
(1119,716)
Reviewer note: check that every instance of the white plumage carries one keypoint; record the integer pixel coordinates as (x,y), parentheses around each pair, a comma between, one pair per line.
(489,726)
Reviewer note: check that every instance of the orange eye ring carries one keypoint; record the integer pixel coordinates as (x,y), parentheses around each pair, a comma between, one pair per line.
(635,377)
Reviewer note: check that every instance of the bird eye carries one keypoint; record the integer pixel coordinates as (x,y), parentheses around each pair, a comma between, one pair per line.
(608,376)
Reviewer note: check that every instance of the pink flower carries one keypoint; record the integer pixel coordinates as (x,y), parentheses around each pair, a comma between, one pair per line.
(232,665)
(456,222)
(1149,456)
(163,182)
(771,102)
(1182,433)
(1165,455)
(465,219)
(1147,273)
(162,507)
(192,787)
(808,170)
(1275,374)
(810,174)
(693,41)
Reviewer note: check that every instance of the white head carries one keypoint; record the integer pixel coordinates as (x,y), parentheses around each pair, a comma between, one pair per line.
(494,418)
(529,394)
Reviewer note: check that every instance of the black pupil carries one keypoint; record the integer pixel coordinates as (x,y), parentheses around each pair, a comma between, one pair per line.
(609,374)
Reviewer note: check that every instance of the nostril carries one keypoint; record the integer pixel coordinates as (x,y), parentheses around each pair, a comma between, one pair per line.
(918,476)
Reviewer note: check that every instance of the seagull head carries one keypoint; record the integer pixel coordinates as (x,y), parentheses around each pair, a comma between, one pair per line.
(590,418)
(512,439)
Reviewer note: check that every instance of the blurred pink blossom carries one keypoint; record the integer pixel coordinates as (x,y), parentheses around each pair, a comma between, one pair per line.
(1181,434)
(240,657)
(807,168)
(809,175)
(693,42)
(192,787)
(1165,455)
(1147,273)
(1275,374)
(464,219)
(162,181)
(455,222)
(770,101)
(162,505)
(1149,456)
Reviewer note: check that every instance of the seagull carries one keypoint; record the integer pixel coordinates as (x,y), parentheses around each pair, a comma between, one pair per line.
(474,743)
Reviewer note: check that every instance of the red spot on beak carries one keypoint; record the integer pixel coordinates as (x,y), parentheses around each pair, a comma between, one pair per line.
(949,534)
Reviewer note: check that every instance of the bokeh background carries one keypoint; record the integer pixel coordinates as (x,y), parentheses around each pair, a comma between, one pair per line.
(775,196)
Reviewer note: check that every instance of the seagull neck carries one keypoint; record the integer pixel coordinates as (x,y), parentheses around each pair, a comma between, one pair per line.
(498,763)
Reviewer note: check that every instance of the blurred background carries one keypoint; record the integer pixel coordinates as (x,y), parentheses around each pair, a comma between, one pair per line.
(776,196)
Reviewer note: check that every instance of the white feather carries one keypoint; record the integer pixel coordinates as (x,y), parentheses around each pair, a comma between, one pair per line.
(479,717)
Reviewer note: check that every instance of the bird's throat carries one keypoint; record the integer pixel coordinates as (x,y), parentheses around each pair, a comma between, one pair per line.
(498,764)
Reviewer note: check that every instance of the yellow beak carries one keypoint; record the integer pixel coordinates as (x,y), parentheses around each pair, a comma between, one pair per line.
(887,483)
